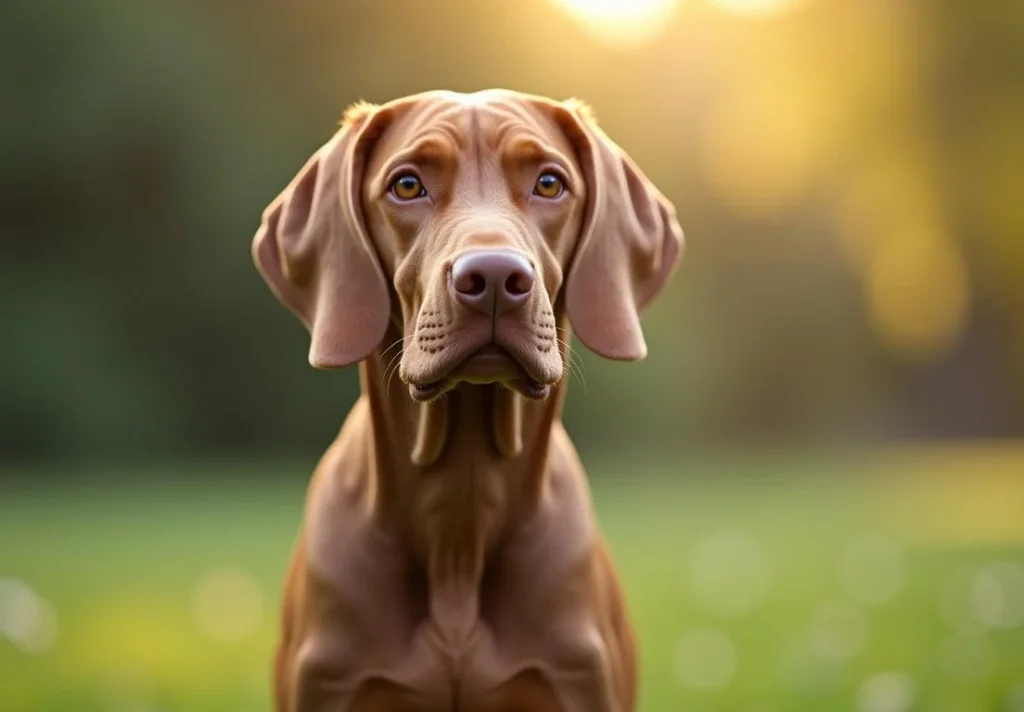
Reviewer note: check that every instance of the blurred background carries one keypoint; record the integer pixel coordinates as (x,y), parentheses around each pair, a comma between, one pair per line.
(814,485)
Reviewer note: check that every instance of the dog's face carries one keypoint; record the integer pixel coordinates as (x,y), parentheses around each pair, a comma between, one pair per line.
(465,220)
(474,209)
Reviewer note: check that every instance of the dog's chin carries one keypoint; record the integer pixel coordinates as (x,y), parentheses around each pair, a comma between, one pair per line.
(490,364)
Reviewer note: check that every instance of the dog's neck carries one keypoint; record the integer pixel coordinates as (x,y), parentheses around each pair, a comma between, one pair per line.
(471,429)
(452,474)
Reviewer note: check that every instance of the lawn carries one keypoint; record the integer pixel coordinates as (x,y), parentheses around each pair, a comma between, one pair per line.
(883,583)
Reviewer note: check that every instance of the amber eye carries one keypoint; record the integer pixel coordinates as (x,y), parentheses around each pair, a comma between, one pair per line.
(408,187)
(548,186)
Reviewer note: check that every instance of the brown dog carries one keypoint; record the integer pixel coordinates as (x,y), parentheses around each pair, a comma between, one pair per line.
(449,558)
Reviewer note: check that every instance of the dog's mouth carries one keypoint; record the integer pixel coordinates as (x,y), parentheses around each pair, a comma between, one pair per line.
(488,364)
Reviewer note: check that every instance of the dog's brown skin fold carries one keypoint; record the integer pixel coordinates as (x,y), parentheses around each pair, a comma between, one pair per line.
(449,558)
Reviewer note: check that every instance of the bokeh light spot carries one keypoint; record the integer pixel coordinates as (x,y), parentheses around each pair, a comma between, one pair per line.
(997,595)
(762,146)
(621,23)
(886,692)
(805,671)
(28,621)
(918,295)
(839,631)
(706,659)
(885,194)
(730,573)
(228,604)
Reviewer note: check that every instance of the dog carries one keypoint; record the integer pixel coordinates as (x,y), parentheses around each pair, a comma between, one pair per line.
(448,557)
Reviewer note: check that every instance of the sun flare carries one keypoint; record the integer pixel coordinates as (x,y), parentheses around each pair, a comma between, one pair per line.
(621,22)
(759,7)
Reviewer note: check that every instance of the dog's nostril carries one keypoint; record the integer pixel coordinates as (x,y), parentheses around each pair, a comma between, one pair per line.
(518,284)
(474,285)
(468,282)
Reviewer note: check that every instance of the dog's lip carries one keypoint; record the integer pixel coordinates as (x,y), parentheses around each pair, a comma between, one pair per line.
(427,391)
(490,363)
(491,349)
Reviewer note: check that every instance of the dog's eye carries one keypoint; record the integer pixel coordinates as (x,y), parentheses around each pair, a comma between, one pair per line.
(549,186)
(408,187)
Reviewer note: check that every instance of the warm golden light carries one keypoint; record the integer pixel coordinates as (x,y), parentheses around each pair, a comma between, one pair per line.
(762,146)
(962,494)
(759,7)
(621,22)
(885,195)
(918,294)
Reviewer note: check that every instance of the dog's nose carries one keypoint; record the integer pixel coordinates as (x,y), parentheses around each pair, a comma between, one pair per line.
(492,281)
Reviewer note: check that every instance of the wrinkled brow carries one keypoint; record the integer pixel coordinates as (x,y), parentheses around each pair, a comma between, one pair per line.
(526,151)
(432,151)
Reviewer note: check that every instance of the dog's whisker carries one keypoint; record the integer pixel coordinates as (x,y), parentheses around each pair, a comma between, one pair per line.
(390,372)
(565,342)
(577,358)
(575,363)
(399,341)
(575,371)
(571,371)
(570,350)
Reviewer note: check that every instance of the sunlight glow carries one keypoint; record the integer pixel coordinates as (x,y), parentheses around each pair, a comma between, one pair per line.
(884,194)
(759,7)
(763,145)
(621,22)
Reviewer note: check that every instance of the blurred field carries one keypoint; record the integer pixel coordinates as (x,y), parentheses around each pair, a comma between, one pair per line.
(759,584)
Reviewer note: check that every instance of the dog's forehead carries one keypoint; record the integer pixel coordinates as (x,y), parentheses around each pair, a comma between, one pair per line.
(487,120)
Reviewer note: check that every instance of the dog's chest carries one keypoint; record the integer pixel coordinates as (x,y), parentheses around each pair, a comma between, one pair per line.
(464,671)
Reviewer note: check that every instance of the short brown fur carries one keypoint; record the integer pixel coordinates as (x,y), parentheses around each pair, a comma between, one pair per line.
(449,558)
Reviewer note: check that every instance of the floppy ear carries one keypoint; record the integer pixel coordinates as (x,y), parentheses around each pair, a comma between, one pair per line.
(628,245)
(313,250)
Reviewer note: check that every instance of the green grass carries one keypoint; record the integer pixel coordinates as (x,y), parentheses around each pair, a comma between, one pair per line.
(734,570)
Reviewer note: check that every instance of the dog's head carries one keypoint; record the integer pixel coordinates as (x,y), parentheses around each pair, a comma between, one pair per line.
(470,221)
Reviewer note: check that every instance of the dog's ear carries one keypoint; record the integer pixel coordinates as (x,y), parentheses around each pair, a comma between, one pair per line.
(314,252)
(629,243)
